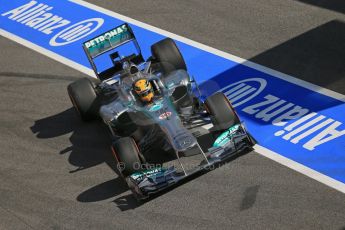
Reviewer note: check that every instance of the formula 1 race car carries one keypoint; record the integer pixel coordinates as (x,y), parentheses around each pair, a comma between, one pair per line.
(155,112)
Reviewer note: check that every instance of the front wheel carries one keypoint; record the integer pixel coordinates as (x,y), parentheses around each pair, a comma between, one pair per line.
(126,153)
(221,112)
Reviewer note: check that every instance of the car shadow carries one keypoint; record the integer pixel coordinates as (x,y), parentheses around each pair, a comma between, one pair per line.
(103,191)
(316,56)
(89,147)
(86,139)
(334,5)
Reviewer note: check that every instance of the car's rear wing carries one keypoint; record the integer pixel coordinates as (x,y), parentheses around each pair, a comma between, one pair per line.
(108,41)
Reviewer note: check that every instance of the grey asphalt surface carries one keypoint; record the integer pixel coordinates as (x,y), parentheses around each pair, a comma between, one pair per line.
(58,173)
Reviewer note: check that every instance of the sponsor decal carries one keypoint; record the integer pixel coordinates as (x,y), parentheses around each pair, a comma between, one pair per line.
(240,92)
(298,124)
(40,17)
(76,32)
(226,136)
(146,173)
(155,107)
(187,141)
(108,40)
(165,115)
(107,36)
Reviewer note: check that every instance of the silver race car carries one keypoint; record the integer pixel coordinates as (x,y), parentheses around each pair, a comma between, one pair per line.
(155,112)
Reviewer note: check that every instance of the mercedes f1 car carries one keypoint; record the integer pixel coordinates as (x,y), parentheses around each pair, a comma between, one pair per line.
(155,112)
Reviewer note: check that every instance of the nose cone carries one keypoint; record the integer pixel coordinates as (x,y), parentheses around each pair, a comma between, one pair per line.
(184,141)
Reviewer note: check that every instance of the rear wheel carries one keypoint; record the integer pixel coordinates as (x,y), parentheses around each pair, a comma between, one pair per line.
(83,97)
(168,56)
(221,112)
(126,152)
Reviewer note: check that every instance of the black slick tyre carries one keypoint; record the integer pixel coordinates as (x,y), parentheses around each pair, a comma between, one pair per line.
(126,152)
(84,98)
(168,56)
(221,112)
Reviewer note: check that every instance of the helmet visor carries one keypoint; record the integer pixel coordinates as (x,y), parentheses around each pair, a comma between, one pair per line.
(145,93)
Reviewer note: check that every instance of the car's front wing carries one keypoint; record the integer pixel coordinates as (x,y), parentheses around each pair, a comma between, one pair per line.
(154,180)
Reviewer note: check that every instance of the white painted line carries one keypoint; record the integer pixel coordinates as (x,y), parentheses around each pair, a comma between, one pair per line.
(301,168)
(223,54)
(47,52)
(259,149)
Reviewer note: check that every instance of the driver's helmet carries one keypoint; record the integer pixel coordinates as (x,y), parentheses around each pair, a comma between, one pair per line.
(143,89)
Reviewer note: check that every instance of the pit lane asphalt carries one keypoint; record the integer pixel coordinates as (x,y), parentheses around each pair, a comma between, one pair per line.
(57,173)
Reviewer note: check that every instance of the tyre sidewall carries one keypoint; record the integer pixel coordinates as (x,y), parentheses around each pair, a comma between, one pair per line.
(127,156)
(84,99)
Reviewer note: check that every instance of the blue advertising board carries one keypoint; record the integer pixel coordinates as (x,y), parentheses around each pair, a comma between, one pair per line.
(296,122)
